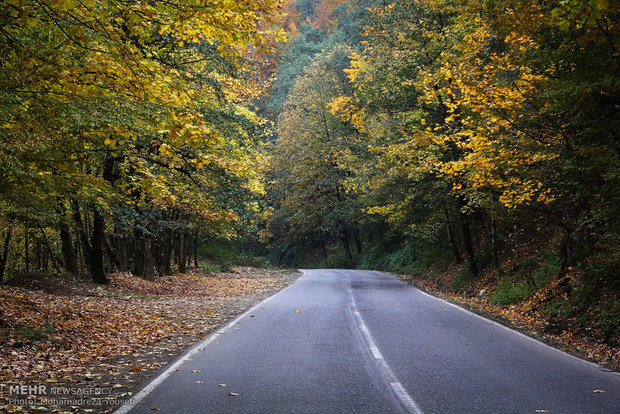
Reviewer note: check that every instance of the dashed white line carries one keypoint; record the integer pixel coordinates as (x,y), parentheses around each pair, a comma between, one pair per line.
(402,394)
(367,336)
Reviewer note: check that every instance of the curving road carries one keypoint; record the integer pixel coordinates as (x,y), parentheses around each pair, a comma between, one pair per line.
(350,341)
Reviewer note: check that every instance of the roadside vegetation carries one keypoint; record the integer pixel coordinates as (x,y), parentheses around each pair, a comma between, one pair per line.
(149,149)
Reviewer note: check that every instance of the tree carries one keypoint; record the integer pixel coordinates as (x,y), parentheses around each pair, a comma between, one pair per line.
(113,103)
(305,158)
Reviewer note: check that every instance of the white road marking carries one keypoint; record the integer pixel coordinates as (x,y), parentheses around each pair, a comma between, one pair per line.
(200,346)
(367,336)
(521,334)
(385,369)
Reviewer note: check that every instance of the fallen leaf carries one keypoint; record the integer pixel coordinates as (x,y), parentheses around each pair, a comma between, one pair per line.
(136,368)
(297,311)
(155,409)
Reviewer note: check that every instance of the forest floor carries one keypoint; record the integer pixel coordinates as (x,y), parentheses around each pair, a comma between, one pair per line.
(76,338)
(526,316)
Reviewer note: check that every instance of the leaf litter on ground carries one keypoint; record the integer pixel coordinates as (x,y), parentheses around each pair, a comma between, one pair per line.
(71,333)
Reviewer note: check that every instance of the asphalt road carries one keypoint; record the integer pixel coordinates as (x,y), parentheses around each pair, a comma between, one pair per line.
(349,341)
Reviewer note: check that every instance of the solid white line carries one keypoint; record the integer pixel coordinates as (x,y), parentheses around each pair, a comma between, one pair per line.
(387,372)
(405,397)
(521,334)
(200,346)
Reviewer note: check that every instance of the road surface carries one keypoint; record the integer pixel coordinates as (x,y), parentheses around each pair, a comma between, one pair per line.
(350,341)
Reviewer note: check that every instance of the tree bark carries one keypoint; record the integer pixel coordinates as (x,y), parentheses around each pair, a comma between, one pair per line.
(181,252)
(451,240)
(123,262)
(139,254)
(5,252)
(345,242)
(494,243)
(97,270)
(357,240)
(467,240)
(323,249)
(196,249)
(49,249)
(82,237)
(27,248)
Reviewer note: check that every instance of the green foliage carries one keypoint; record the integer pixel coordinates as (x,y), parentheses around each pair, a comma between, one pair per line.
(24,335)
(595,299)
(389,256)
(530,275)
(210,267)
(510,291)
(462,278)
(144,114)
(224,255)
(338,260)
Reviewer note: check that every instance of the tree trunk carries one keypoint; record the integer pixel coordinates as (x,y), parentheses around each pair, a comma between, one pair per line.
(111,254)
(49,250)
(196,250)
(451,240)
(139,254)
(189,242)
(494,243)
(5,252)
(149,262)
(323,249)
(82,236)
(27,248)
(345,242)
(181,253)
(123,262)
(168,253)
(39,260)
(357,240)
(565,252)
(469,247)
(96,267)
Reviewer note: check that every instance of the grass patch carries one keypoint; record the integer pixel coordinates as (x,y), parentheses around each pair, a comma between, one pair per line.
(221,257)
(338,260)
(594,300)
(405,257)
(25,334)
(529,275)
(462,278)
(509,291)
(210,267)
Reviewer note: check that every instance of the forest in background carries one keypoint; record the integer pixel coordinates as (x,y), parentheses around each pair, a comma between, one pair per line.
(461,140)
(469,136)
